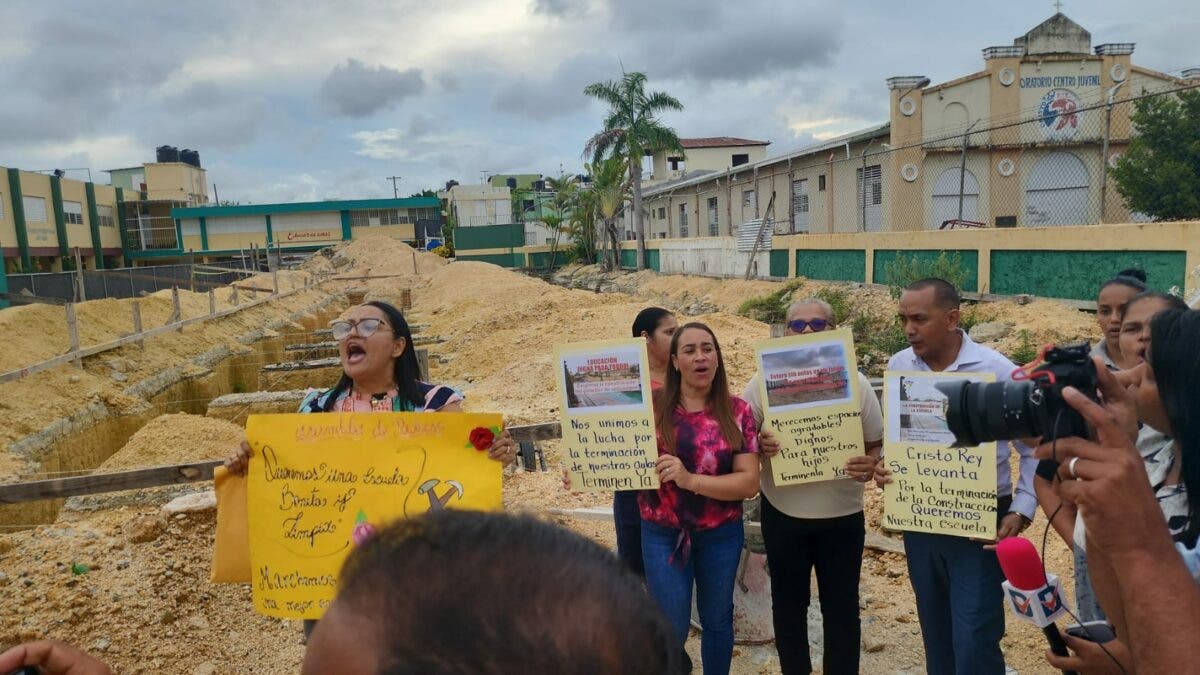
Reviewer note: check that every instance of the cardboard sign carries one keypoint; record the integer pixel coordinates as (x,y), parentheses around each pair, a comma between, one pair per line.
(809,389)
(607,415)
(318,485)
(935,488)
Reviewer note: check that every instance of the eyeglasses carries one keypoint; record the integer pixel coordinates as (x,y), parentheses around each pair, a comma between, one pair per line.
(364,327)
(799,325)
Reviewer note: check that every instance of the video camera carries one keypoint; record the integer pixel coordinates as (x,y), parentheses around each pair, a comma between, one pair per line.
(1028,406)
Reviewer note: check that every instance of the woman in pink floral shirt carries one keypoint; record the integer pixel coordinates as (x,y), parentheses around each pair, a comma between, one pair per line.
(692,525)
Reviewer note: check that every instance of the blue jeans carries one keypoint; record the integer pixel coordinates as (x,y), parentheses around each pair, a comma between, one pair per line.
(712,566)
(627,520)
(959,602)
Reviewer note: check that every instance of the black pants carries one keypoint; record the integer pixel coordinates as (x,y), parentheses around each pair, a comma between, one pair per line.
(627,520)
(834,546)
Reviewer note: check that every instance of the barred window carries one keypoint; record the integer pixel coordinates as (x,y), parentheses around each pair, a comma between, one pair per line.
(35,209)
(73,213)
(713,218)
(683,224)
(105,213)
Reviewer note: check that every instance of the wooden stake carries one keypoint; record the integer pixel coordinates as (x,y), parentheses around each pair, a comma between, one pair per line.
(233,296)
(73,332)
(212,301)
(176,311)
(81,290)
(137,323)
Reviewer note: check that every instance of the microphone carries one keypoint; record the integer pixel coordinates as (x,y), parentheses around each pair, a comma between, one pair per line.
(1033,596)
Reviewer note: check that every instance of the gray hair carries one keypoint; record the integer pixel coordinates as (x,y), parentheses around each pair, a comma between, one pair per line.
(825,307)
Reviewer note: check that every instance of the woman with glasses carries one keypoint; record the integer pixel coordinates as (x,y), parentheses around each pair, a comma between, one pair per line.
(379,374)
(817,525)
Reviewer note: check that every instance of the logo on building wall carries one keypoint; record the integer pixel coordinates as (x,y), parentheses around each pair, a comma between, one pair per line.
(311,235)
(1058,112)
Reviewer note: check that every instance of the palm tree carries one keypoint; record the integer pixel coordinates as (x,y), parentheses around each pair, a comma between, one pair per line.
(565,190)
(609,191)
(631,130)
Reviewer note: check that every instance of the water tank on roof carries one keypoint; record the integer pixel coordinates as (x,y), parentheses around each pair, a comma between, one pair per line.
(511,183)
(167,153)
(539,186)
(190,157)
(450,184)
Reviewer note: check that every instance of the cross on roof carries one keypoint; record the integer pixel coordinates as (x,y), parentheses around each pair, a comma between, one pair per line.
(1058,6)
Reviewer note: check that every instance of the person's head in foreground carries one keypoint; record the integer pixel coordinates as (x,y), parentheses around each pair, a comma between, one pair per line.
(469,592)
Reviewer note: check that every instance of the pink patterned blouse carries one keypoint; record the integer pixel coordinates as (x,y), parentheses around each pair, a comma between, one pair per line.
(703,450)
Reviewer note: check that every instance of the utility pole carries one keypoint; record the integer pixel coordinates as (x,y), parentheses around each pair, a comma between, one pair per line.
(395,182)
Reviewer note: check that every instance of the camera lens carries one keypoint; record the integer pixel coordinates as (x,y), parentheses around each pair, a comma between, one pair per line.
(982,412)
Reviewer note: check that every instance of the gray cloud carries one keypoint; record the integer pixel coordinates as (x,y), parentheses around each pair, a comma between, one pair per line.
(355,89)
(560,93)
(560,8)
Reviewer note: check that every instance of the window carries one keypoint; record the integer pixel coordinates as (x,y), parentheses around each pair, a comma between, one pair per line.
(106,216)
(800,205)
(870,198)
(747,198)
(35,209)
(821,183)
(526,204)
(714,227)
(73,213)
(676,163)
(662,213)
(683,225)
(375,217)
(740,159)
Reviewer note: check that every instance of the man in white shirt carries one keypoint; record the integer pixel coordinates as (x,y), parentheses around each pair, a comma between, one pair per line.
(817,525)
(957,580)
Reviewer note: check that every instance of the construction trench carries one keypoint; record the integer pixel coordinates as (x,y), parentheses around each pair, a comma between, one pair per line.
(146,605)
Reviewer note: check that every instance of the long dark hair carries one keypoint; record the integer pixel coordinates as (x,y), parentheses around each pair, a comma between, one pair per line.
(1175,360)
(406,371)
(648,319)
(667,398)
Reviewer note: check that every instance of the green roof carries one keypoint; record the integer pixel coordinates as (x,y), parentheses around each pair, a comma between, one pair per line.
(305,207)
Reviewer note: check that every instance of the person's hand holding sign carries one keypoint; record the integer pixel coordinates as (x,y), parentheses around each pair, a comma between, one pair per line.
(862,467)
(768,445)
(670,468)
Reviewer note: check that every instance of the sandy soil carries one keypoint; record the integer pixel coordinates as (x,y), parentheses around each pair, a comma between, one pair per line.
(144,601)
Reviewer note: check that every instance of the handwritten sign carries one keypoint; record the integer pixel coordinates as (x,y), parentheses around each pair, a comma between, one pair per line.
(607,418)
(810,392)
(935,488)
(320,484)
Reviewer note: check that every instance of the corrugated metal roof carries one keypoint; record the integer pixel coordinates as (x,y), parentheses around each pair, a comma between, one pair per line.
(718,142)
(877,131)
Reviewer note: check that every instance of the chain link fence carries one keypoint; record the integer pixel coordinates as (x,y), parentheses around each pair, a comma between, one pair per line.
(125,282)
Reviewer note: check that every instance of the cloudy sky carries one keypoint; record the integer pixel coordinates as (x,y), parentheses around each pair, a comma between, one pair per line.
(291,102)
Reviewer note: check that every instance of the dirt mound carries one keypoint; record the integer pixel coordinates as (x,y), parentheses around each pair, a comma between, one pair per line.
(374,254)
(175,439)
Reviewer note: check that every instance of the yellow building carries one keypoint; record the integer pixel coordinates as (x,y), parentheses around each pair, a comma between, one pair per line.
(1027,141)
(46,219)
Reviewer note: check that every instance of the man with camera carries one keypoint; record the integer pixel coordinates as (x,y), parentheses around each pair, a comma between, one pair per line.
(957,581)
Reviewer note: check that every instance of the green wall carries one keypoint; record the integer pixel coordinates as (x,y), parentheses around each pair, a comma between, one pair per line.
(539,260)
(502,259)
(830,265)
(779,263)
(1078,274)
(489,236)
(629,259)
(970,263)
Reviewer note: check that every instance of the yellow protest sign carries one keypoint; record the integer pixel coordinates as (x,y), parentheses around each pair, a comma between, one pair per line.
(607,418)
(809,387)
(320,484)
(935,487)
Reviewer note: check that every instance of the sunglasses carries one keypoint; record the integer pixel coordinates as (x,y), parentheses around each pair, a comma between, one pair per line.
(364,327)
(799,325)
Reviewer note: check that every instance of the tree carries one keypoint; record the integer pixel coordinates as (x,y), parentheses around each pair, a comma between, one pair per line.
(609,191)
(631,130)
(1159,174)
(565,190)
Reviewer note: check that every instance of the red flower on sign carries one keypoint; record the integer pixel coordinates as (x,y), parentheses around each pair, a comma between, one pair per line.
(482,438)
